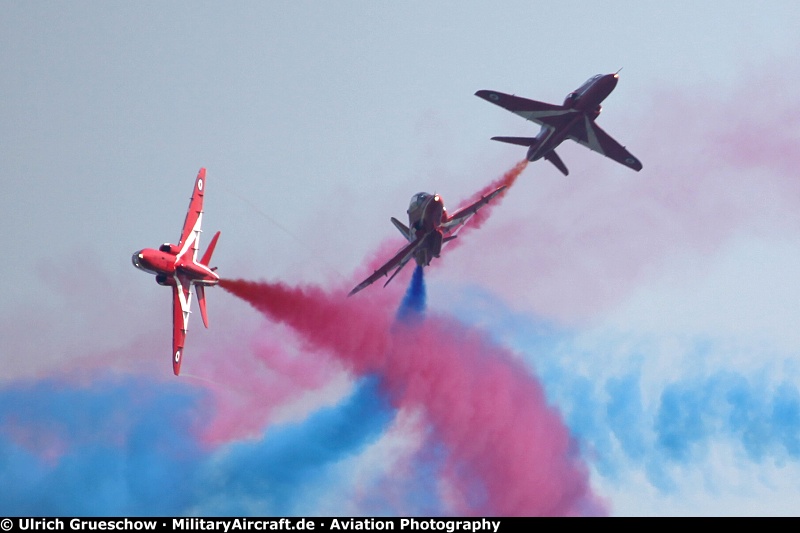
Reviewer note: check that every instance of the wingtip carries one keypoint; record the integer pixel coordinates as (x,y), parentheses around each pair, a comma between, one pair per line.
(177,359)
(489,197)
(355,290)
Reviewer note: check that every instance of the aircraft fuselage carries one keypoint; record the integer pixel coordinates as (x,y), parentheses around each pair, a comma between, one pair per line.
(426,212)
(429,227)
(177,266)
(586,99)
(164,264)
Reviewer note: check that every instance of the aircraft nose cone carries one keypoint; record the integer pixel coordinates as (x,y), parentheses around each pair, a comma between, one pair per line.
(610,81)
(136,259)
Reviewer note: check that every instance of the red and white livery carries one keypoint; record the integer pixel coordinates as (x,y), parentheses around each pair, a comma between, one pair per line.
(429,227)
(575,120)
(177,266)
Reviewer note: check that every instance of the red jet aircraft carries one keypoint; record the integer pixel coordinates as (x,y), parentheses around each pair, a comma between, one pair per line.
(573,120)
(176,265)
(429,227)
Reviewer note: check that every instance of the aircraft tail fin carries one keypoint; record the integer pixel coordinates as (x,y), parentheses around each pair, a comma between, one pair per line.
(201,291)
(213,244)
(520,141)
(552,156)
(402,228)
(201,301)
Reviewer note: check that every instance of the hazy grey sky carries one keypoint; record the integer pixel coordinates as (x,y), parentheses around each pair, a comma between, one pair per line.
(324,118)
(310,110)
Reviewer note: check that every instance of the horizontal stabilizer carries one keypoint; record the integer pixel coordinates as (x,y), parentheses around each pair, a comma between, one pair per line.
(403,229)
(521,141)
(552,156)
(201,300)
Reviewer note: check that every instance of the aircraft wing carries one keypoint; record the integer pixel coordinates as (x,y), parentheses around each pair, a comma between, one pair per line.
(398,261)
(190,234)
(551,115)
(181,300)
(461,216)
(589,134)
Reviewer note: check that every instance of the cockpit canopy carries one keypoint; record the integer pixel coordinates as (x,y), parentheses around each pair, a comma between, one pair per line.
(575,95)
(418,200)
(582,89)
(137,260)
(571,99)
(588,82)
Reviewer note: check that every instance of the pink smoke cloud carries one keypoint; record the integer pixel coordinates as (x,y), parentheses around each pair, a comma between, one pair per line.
(481,403)
(253,379)
(252,371)
(253,375)
(714,167)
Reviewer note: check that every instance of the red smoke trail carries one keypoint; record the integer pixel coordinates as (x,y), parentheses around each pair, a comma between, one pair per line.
(716,168)
(508,179)
(267,374)
(508,453)
(390,247)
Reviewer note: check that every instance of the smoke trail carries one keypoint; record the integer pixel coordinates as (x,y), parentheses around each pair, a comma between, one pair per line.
(255,376)
(388,248)
(636,422)
(600,237)
(413,304)
(508,179)
(281,472)
(507,452)
(118,447)
(112,448)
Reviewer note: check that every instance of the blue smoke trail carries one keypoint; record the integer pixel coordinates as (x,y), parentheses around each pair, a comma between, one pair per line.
(283,473)
(620,429)
(129,446)
(118,447)
(413,304)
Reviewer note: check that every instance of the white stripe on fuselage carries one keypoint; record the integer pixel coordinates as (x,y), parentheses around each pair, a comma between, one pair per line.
(591,137)
(185,299)
(537,116)
(193,238)
(194,241)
